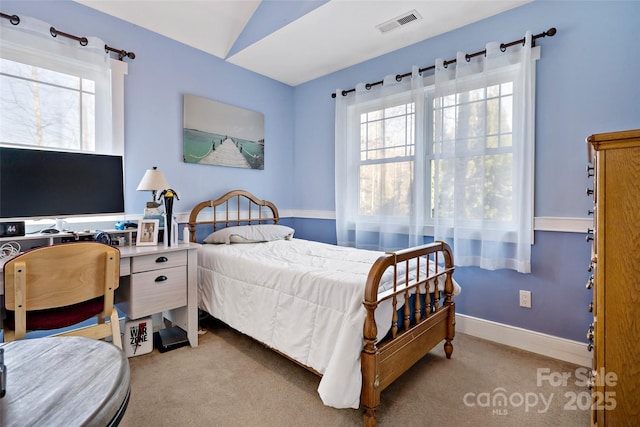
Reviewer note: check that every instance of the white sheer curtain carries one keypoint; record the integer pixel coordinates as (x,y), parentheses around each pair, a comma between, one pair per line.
(483,157)
(379,165)
(30,42)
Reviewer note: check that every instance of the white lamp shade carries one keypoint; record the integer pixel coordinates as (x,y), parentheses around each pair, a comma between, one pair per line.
(153,180)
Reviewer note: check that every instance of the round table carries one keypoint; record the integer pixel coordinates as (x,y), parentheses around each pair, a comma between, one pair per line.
(64,381)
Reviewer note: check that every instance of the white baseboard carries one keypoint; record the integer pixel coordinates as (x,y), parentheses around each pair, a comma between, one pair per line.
(535,342)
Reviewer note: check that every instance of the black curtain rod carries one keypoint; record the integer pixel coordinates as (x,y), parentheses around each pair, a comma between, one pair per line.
(551,32)
(15,20)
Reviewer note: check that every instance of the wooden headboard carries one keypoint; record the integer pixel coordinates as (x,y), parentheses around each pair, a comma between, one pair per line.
(237,207)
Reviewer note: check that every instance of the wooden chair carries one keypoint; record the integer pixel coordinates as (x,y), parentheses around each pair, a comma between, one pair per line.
(62,285)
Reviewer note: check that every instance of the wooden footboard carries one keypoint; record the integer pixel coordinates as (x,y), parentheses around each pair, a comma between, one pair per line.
(418,329)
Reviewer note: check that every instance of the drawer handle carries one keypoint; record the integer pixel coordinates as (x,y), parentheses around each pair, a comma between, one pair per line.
(590,283)
(590,332)
(162,259)
(589,234)
(161,278)
(590,171)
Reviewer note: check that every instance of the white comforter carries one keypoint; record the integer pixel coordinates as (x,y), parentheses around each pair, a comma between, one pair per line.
(300,297)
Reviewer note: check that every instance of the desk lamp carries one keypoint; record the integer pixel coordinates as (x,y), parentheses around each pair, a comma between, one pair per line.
(154,181)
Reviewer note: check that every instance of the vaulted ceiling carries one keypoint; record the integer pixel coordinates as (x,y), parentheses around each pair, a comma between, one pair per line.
(297,41)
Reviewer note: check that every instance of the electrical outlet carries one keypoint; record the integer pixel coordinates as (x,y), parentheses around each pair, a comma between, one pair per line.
(525,299)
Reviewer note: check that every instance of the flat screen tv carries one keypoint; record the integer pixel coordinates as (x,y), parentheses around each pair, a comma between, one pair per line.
(53,184)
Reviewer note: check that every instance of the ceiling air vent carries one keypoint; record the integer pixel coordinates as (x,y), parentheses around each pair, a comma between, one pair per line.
(399,21)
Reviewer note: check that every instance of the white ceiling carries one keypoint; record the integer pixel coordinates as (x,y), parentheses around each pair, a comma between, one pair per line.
(333,36)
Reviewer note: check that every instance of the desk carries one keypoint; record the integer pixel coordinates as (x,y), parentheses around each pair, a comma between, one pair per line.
(139,298)
(66,381)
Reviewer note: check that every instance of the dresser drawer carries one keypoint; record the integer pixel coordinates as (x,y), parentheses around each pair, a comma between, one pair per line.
(155,262)
(154,291)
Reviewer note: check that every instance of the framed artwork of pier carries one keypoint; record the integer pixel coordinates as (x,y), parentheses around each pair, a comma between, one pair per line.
(220,134)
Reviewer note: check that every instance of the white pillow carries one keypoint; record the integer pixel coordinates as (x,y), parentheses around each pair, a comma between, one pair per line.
(250,234)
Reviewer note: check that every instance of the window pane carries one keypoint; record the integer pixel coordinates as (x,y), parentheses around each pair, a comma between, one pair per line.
(43,75)
(88,124)
(472,203)
(493,91)
(493,142)
(397,110)
(373,115)
(449,123)
(395,130)
(498,187)
(493,116)
(482,186)
(506,113)
(17,118)
(471,120)
(448,100)
(487,188)
(385,189)
(374,135)
(444,179)
(388,133)
(46,108)
(58,115)
(475,95)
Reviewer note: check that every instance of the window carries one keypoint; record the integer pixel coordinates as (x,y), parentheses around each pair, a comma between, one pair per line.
(452,160)
(474,130)
(58,94)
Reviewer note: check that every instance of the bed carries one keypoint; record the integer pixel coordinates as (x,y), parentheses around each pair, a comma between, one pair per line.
(357,318)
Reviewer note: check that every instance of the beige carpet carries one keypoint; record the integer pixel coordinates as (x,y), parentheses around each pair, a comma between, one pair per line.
(231,380)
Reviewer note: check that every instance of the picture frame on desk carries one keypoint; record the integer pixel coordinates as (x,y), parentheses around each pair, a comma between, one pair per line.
(148,232)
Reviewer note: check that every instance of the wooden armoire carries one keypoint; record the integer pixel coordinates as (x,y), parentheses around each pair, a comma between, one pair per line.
(614,335)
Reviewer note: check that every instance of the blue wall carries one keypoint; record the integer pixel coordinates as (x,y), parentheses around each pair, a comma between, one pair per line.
(586,84)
